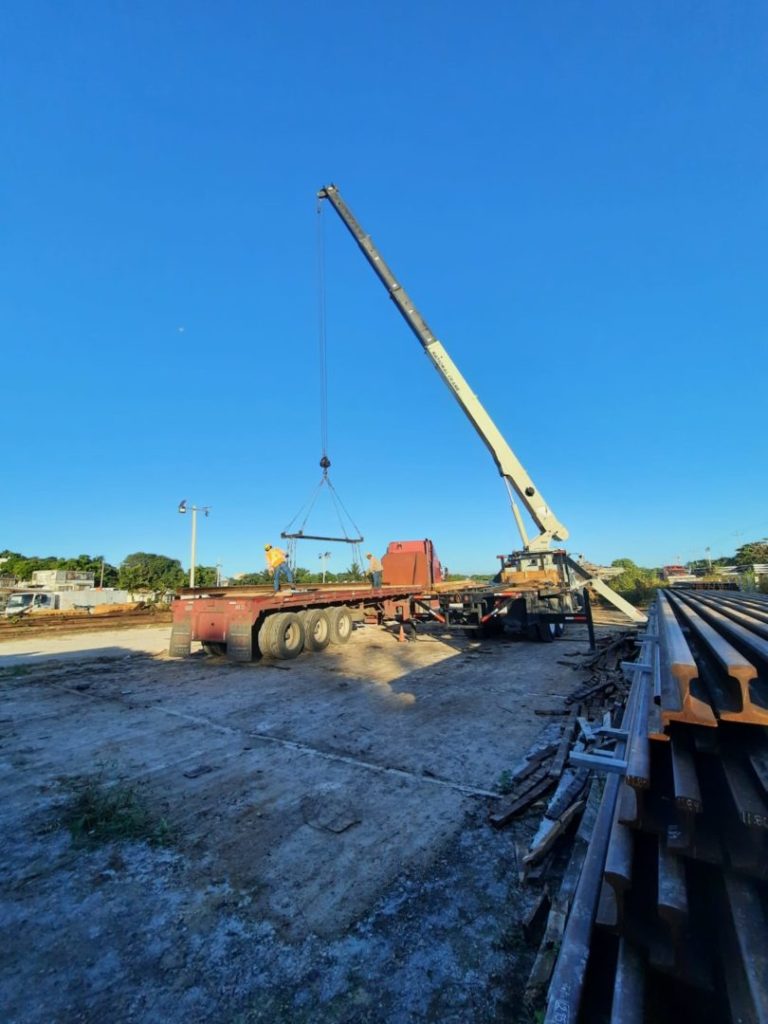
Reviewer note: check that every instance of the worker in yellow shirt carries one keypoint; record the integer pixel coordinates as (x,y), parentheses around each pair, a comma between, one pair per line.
(277,565)
(375,569)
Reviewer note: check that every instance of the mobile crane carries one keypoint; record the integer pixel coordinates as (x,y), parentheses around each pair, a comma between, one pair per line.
(544,579)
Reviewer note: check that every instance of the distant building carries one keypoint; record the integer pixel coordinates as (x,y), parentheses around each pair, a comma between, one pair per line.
(62,579)
(604,572)
(675,574)
(758,571)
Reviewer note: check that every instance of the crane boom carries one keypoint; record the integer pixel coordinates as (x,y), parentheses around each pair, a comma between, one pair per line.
(509,466)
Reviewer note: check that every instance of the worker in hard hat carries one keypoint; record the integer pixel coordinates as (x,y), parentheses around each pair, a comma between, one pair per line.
(277,565)
(375,569)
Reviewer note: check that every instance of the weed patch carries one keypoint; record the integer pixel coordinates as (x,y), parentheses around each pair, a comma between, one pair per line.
(102,812)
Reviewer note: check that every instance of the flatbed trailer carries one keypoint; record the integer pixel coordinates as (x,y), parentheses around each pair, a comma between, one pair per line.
(248,622)
(245,622)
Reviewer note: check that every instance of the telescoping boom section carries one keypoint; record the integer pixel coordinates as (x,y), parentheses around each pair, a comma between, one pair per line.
(511,469)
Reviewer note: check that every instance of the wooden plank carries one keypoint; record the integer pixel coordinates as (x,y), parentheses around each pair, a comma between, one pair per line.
(550,831)
(569,789)
(556,770)
(533,919)
(538,784)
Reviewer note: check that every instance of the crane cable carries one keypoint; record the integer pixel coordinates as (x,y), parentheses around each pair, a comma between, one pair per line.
(325,462)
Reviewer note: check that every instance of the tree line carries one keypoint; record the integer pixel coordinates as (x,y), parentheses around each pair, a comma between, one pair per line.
(143,570)
(138,571)
(639,584)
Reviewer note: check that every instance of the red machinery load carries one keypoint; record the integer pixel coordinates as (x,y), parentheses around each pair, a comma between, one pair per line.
(411,563)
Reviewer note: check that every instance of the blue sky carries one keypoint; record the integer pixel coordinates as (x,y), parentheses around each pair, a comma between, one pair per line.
(574,194)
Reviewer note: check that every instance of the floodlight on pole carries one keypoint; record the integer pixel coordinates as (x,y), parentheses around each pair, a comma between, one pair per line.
(323,558)
(194,509)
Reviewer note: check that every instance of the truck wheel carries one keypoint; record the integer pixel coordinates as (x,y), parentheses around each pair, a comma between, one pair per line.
(317,630)
(287,639)
(340,622)
(265,636)
(547,631)
(215,649)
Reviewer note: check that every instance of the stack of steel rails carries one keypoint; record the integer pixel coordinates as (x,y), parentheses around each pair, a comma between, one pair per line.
(669,919)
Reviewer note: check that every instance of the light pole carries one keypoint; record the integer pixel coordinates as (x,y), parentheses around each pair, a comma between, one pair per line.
(709,560)
(323,557)
(194,510)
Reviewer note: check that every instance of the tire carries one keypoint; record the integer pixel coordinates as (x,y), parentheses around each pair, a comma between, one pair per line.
(340,622)
(317,629)
(546,631)
(214,648)
(287,636)
(264,639)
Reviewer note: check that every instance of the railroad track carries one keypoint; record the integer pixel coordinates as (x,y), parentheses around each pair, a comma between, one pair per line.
(670,914)
(79,623)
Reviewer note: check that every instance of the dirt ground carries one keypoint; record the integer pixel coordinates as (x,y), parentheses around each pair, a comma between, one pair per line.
(331,860)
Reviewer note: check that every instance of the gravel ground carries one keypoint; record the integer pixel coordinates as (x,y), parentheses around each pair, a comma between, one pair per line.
(331,859)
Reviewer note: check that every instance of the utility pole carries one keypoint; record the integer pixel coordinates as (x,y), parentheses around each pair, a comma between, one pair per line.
(709,560)
(194,510)
(323,557)
(218,573)
(101,581)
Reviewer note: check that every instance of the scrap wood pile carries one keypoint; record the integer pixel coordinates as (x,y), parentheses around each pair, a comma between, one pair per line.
(663,911)
(585,715)
(606,678)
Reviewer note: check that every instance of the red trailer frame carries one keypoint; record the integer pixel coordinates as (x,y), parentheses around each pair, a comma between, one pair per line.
(246,621)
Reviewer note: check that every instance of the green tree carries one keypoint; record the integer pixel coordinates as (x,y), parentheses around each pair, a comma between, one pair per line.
(22,566)
(205,575)
(636,584)
(157,573)
(353,572)
(753,551)
(93,563)
(253,579)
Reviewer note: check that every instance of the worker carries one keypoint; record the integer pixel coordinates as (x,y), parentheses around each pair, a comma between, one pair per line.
(277,564)
(375,569)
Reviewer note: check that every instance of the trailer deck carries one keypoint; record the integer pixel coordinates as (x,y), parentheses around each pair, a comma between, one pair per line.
(244,622)
(247,622)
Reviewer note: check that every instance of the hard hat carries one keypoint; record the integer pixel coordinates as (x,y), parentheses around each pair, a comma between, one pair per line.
(267,547)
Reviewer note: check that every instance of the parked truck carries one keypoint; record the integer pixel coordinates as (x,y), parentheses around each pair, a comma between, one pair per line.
(245,623)
(31,601)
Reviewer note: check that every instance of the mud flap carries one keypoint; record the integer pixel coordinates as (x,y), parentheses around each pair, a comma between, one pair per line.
(240,641)
(181,640)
